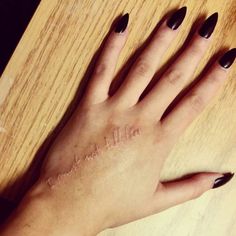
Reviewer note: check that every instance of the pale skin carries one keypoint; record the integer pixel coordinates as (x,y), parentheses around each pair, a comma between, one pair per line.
(103,170)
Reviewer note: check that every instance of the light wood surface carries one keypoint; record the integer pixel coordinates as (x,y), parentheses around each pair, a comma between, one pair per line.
(45,72)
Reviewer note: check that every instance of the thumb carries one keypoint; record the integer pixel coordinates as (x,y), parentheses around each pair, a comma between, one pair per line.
(171,193)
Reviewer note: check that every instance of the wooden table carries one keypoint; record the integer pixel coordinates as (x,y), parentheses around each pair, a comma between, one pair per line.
(45,72)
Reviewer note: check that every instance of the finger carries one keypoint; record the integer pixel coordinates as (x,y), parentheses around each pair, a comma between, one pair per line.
(98,87)
(175,78)
(197,98)
(147,63)
(172,193)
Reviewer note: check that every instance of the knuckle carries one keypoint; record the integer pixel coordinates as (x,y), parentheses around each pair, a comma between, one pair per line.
(113,46)
(162,135)
(159,138)
(213,80)
(143,67)
(195,102)
(196,192)
(100,69)
(217,77)
(197,189)
(173,76)
(197,48)
(161,36)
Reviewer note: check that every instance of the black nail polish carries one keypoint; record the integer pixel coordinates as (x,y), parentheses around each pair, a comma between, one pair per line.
(122,23)
(228,58)
(177,18)
(223,180)
(208,26)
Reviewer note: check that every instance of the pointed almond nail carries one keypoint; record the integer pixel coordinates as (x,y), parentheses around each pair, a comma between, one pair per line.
(223,180)
(122,23)
(177,18)
(228,58)
(208,26)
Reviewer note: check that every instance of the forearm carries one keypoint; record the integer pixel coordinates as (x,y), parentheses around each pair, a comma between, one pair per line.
(38,215)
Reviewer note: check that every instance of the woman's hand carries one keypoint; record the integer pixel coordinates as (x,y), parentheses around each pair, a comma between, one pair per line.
(104,167)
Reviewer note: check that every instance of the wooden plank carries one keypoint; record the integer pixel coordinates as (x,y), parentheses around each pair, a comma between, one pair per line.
(45,72)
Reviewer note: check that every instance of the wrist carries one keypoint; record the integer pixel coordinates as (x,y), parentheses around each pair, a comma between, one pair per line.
(32,217)
(41,213)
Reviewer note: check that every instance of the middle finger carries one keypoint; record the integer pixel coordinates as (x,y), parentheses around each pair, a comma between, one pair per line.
(176,76)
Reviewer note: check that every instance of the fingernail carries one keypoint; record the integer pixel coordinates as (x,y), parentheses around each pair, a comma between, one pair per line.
(223,180)
(177,18)
(228,58)
(208,26)
(122,23)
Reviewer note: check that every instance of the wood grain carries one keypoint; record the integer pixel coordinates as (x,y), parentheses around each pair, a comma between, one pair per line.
(46,70)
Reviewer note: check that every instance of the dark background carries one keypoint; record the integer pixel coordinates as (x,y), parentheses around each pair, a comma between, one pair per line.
(14,18)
